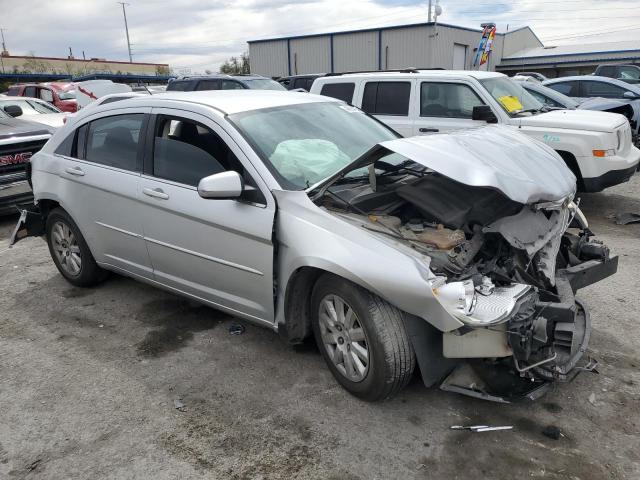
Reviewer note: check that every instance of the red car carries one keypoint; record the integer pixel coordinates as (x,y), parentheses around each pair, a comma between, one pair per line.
(62,95)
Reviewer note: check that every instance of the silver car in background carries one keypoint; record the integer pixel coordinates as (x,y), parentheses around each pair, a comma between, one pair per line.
(307,216)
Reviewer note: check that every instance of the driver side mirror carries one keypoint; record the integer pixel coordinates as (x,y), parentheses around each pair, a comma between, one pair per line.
(630,95)
(13,110)
(224,185)
(483,113)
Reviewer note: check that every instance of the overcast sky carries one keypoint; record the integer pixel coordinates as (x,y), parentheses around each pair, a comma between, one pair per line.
(201,34)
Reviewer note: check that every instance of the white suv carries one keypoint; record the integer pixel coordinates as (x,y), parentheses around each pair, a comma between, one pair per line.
(595,145)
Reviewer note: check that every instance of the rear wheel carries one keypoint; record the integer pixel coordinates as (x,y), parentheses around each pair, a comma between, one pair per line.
(70,252)
(362,338)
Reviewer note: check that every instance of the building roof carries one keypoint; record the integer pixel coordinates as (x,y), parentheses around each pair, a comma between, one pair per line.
(392,27)
(81,60)
(602,48)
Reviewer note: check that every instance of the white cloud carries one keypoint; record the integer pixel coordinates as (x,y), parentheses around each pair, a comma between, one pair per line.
(202,34)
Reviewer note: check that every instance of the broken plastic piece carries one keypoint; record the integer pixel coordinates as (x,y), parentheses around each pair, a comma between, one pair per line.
(236,329)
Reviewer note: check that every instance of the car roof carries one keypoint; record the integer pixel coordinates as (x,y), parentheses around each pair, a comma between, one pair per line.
(419,74)
(221,75)
(614,81)
(228,101)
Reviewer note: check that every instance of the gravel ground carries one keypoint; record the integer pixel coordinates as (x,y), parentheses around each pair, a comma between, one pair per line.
(89,380)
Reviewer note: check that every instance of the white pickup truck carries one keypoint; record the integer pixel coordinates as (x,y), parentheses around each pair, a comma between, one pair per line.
(596,146)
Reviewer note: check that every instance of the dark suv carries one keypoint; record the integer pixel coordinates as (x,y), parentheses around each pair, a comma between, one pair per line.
(19,140)
(223,82)
(626,73)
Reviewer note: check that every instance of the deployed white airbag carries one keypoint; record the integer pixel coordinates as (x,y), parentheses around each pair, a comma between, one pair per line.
(309,160)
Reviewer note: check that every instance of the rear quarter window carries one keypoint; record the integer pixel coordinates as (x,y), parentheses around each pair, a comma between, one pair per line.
(341,91)
(386,98)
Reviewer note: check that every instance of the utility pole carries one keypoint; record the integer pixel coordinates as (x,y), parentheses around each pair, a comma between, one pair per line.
(126,27)
(4,51)
(429,11)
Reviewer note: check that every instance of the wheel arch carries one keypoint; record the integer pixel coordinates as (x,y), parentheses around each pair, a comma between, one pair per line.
(571,161)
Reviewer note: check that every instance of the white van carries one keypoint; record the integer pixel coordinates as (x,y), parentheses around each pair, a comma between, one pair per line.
(595,145)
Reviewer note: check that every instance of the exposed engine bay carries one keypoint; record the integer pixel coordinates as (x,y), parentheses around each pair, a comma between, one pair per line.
(507,270)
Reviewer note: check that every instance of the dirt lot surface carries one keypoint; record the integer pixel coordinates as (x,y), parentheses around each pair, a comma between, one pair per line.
(89,381)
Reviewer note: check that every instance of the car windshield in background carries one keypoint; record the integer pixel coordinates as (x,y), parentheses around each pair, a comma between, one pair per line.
(513,98)
(305,144)
(69,95)
(263,84)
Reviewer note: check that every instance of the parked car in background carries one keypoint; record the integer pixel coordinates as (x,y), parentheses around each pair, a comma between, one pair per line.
(33,109)
(89,91)
(19,140)
(61,95)
(589,86)
(223,82)
(299,81)
(538,76)
(307,216)
(597,146)
(626,73)
(554,99)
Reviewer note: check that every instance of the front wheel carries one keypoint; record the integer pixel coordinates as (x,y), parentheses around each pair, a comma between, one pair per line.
(362,338)
(70,251)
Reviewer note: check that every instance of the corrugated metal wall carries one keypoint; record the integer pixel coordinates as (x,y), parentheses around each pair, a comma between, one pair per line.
(355,51)
(269,58)
(401,47)
(311,55)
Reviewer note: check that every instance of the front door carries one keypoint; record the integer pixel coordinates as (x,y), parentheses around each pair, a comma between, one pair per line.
(100,170)
(217,250)
(445,106)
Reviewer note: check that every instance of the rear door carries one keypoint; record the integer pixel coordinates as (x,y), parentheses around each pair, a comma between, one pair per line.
(99,166)
(445,106)
(217,250)
(390,101)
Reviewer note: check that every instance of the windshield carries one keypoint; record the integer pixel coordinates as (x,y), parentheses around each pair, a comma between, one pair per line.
(68,95)
(263,84)
(304,144)
(511,96)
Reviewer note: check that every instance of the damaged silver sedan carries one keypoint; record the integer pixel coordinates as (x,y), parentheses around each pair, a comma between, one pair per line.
(460,253)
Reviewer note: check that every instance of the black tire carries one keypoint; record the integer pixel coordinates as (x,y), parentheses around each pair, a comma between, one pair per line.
(89,273)
(391,356)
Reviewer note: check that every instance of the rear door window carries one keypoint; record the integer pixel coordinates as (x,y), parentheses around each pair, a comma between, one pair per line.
(602,89)
(13,91)
(30,92)
(180,85)
(448,100)
(341,91)
(208,85)
(46,95)
(231,85)
(386,98)
(570,89)
(114,141)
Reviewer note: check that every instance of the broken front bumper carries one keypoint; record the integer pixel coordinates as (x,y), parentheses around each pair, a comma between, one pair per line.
(545,342)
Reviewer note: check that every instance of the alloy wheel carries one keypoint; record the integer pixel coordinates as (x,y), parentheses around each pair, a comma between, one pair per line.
(66,248)
(344,338)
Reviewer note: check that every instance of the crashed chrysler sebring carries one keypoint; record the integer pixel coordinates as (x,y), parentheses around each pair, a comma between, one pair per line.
(460,253)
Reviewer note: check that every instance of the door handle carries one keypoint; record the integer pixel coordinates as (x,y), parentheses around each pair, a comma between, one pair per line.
(75,171)
(428,130)
(155,193)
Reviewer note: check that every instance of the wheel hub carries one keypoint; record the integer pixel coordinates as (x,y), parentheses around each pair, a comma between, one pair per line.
(66,249)
(344,338)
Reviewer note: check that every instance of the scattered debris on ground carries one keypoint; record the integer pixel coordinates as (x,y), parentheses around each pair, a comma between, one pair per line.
(236,329)
(552,432)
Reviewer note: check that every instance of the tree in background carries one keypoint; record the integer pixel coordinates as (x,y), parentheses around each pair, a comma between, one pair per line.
(235,65)
(162,70)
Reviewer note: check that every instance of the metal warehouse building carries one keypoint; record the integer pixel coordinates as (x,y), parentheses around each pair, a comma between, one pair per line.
(565,60)
(421,45)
